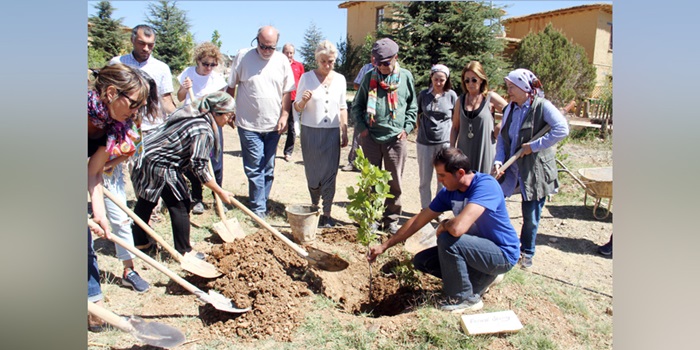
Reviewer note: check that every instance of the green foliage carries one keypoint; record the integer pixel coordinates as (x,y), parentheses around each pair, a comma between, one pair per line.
(216,38)
(451,33)
(106,33)
(367,200)
(312,36)
(96,58)
(174,42)
(561,65)
(349,59)
(406,274)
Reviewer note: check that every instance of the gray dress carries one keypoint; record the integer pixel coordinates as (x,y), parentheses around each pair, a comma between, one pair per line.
(479,124)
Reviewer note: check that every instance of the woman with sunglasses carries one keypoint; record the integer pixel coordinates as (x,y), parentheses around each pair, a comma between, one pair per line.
(435,106)
(114,106)
(183,143)
(203,80)
(473,122)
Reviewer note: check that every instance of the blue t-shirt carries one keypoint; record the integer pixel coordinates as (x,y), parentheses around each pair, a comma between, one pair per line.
(494,223)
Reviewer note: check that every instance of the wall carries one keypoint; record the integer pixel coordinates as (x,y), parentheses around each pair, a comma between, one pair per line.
(362,19)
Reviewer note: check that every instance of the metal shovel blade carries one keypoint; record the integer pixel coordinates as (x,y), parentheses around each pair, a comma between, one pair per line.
(220,302)
(199,267)
(325,261)
(156,334)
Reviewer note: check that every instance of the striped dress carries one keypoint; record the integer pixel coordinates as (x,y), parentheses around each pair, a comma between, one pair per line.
(174,147)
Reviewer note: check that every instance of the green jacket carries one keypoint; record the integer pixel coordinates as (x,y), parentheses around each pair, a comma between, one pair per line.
(385,128)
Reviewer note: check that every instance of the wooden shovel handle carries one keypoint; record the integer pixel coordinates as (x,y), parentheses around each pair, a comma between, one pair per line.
(220,206)
(517,154)
(158,266)
(267,226)
(174,253)
(110,317)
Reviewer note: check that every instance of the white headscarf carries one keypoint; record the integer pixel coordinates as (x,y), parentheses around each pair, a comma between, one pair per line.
(526,81)
(438,68)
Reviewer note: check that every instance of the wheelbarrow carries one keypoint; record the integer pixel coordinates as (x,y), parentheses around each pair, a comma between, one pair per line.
(596,182)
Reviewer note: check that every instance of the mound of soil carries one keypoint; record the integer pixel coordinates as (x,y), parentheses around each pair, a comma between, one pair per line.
(262,272)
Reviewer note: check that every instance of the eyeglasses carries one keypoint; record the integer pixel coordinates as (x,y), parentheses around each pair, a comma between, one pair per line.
(265,47)
(132,104)
(385,64)
(211,65)
(473,80)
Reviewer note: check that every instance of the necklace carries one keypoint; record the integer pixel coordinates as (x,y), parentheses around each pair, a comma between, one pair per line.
(471,114)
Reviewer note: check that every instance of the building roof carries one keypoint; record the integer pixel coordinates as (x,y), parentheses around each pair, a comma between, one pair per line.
(347,4)
(599,6)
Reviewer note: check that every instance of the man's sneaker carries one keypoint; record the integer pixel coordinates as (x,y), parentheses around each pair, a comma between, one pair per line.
(133,280)
(465,305)
(525,262)
(198,208)
(391,228)
(606,249)
(348,167)
(498,280)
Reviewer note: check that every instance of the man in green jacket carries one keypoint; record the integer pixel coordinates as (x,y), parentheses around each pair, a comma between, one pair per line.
(385,110)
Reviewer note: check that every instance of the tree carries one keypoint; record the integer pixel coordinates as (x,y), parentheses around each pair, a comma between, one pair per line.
(216,38)
(451,33)
(312,36)
(349,60)
(561,65)
(107,38)
(174,42)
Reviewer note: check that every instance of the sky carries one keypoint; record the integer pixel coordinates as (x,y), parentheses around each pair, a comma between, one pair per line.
(238,21)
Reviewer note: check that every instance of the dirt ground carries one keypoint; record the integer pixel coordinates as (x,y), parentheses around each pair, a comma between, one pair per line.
(261,272)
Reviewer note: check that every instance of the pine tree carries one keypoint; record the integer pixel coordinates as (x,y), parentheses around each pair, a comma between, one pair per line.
(561,65)
(216,38)
(312,36)
(451,33)
(174,42)
(107,38)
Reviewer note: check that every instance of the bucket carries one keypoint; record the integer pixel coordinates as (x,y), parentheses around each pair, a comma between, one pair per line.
(303,218)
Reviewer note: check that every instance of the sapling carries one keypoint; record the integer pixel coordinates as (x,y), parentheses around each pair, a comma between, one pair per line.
(366,205)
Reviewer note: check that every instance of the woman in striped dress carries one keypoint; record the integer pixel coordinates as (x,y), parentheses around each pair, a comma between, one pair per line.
(183,143)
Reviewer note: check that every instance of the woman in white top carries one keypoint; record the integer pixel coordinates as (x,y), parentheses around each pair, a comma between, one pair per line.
(322,112)
(203,80)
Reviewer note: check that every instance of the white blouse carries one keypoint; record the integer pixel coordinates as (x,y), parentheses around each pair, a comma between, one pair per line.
(323,109)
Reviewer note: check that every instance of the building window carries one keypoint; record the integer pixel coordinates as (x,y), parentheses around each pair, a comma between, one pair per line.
(611,39)
(380,16)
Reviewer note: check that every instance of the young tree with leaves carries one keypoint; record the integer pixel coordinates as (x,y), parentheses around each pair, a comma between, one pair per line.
(451,33)
(175,42)
(312,36)
(561,65)
(107,38)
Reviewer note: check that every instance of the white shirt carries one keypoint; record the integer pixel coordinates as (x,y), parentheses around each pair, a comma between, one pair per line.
(323,109)
(160,72)
(261,84)
(202,85)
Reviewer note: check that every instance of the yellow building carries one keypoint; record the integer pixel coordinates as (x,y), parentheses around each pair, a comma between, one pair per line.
(363,18)
(587,25)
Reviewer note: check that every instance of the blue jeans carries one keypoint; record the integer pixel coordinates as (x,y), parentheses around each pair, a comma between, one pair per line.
(466,265)
(532,211)
(258,150)
(94,289)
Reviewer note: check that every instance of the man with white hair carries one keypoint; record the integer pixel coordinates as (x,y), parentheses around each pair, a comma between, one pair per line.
(261,79)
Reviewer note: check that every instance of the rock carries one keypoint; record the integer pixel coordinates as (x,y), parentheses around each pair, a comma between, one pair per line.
(553,240)
(609,311)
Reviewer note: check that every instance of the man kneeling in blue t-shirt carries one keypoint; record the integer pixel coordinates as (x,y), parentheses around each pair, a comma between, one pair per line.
(474,247)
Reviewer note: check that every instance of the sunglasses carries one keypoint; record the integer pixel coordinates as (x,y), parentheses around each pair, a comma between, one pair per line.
(265,47)
(473,80)
(132,104)
(210,65)
(385,64)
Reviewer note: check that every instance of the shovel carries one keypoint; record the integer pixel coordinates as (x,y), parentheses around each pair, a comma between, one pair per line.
(187,262)
(517,154)
(219,301)
(151,333)
(315,257)
(226,231)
